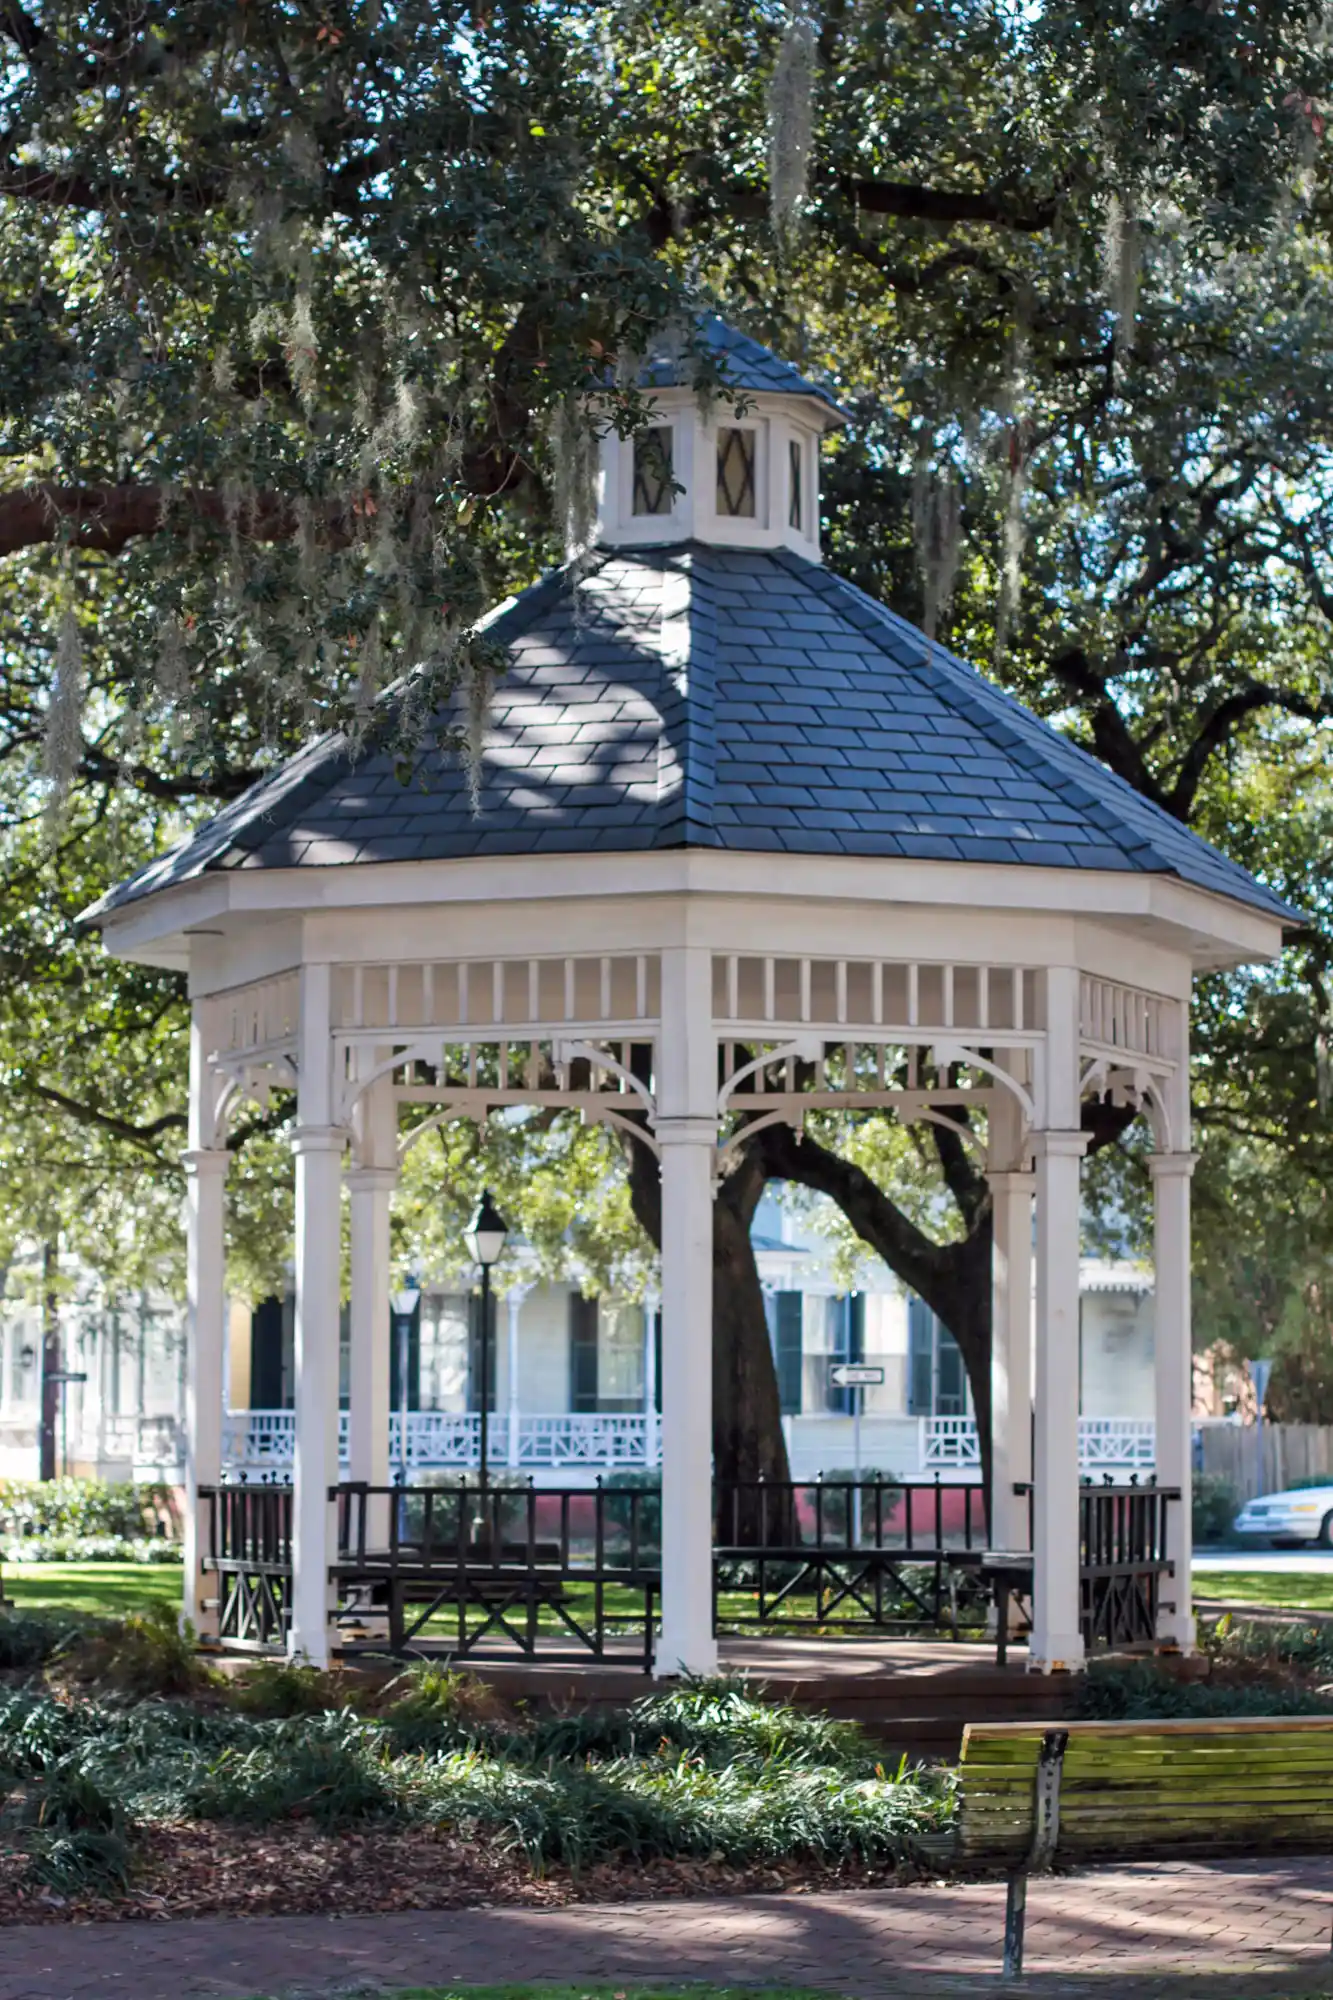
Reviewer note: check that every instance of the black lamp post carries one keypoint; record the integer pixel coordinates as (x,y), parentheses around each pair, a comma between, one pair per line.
(485,1239)
(404,1304)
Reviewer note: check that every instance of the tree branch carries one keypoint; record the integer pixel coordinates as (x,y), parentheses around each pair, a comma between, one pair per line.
(106,1121)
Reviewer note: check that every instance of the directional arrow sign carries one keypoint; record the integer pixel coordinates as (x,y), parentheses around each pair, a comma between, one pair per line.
(856,1375)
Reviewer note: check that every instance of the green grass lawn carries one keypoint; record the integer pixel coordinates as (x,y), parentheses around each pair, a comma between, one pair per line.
(92,1587)
(121,1587)
(1295,1590)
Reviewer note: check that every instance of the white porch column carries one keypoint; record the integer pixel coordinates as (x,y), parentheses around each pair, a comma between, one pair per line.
(687,1134)
(651,1304)
(205,1337)
(1174,1381)
(1057,1641)
(514,1298)
(318,1146)
(1011,1356)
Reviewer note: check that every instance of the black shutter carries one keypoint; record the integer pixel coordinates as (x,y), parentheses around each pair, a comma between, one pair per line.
(266,1355)
(787,1352)
(582,1354)
(920,1359)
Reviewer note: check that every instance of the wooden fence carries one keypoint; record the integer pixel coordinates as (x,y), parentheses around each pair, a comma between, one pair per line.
(1290,1452)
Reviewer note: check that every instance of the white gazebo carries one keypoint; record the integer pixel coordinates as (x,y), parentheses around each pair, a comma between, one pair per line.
(746,845)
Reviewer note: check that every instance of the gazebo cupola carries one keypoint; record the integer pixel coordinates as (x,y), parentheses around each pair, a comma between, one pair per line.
(737,468)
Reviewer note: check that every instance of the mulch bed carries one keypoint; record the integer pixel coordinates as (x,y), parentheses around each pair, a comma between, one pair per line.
(195,1870)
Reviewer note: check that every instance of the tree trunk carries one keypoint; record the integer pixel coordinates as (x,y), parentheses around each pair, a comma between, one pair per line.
(748,1444)
(51,1370)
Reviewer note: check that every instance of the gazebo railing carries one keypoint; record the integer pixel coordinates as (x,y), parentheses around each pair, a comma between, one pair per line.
(467,1569)
(842,1555)
(247,1541)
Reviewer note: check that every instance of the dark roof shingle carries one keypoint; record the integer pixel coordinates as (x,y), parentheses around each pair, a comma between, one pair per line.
(640,712)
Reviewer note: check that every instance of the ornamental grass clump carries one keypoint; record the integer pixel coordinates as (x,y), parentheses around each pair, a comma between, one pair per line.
(148,1653)
(707,1773)
(332,1771)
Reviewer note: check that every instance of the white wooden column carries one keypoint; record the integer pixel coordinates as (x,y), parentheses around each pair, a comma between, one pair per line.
(1056,1643)
(1011,1356)
(514,1298)
(205,1336)
(651,1453)
(1174,1378)
(318,1146)
(687,1133)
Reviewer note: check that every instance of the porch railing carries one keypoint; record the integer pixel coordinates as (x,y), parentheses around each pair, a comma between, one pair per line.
(259,1439)
(1121,1443)
(256,1440)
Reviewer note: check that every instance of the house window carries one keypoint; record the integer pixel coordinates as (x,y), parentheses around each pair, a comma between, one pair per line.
(936,1377)
(653,489)
(794,484)
(735,473)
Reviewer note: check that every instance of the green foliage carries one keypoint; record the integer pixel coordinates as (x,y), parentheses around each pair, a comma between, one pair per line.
(79,1509)
(1122,1694)
(31,1638)
(282,1688)
(706,1770)
(91,1548)
(149,1653)
(1215,1503)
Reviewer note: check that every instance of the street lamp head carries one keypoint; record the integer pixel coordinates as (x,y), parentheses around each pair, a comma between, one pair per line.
(486,1233)
(404,1301)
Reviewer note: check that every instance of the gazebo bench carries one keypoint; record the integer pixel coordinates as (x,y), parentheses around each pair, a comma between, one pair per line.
(1032,1795)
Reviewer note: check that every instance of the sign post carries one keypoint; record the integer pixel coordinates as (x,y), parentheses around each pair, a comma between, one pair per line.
(1259,1374)
(858,1376)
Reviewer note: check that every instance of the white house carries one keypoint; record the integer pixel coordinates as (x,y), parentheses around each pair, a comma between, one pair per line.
(576,1379)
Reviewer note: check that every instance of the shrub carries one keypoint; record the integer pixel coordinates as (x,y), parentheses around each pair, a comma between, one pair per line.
(31,1638)
(432,1707)
(147,1653)
(279,1688)
(80,1839)
(1215,1505)
(82,1507)
(1115,1694)
(297,1771)
(91,1548)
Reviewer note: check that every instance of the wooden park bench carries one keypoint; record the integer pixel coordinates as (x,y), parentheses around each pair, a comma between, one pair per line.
(1031,1795)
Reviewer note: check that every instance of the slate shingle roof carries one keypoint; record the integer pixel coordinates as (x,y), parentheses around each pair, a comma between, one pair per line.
(697,696)
(742,364)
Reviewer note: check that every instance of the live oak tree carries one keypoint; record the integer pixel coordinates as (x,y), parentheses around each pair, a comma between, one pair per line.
(297,305)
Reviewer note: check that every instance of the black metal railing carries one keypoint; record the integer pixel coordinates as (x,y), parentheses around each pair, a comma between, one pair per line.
(1123,1558)
(843,1555)
(464,1569)
(247,1542)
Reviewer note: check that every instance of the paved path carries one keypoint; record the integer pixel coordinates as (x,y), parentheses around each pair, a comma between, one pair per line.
(1265,1562)
(1236,1930)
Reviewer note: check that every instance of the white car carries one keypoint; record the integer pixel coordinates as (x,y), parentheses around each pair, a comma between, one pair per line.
(1305,1514)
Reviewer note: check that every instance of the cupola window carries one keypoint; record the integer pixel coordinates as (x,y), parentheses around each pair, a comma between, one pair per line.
(653,483)
(735,473)
(794,517)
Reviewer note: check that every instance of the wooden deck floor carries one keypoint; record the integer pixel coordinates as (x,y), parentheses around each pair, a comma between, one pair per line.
(913,1696)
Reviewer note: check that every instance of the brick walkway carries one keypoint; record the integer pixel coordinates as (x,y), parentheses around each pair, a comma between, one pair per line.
(1237,1929)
